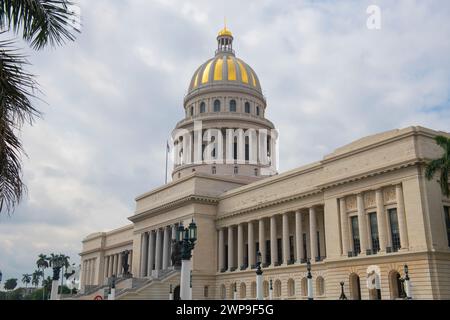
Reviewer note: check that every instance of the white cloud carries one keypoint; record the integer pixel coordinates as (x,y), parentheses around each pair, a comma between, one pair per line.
(116,93)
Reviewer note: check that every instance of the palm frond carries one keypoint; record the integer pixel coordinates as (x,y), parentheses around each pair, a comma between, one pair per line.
(443,181)
(17,87)
(41,22)
(432,167)
(443,142)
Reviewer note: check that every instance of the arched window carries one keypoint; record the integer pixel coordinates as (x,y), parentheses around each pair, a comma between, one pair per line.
(232,291)
(320,286)
(258,111)
(277,289)
(223,292)
(395,285)
(233,106)
(247,107)
(202,107)
(216,106)
(291,287)
(253,289)
(355,287)
(243,290)
(192,111)
(265,288)
(304,284)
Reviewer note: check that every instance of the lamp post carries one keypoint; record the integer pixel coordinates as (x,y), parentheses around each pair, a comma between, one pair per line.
(270,289)
(343,296)
(186,237)
(57,264)
(112,293)
(170,292)
(407,283)
(235,291)
(259,277)
(309,277)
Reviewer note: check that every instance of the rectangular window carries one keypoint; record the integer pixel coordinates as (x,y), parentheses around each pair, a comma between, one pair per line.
(395,232)
(374,232)
(318,246)
(291,247)
(305,252)
(247,152)
(279,250)
(355,235)
(447,222)
(268,257)
(226,257)
(235,151)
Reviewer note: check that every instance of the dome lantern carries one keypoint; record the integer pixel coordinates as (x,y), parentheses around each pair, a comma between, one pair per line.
(225,41)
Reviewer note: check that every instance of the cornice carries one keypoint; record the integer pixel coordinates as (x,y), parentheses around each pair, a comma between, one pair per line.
(145,213)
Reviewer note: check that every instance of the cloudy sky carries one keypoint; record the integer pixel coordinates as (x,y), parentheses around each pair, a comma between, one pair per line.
(113,96)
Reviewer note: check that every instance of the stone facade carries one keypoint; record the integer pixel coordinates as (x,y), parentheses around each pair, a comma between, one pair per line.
(366,205)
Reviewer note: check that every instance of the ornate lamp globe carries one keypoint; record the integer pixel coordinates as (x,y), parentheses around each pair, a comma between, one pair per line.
(193,231)
(180,232)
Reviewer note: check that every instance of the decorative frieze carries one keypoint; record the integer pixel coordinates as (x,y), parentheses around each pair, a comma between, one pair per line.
(350,203)
(369,199)
(389,195)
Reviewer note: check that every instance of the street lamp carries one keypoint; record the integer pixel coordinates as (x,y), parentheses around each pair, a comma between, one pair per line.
(186,237)
(310,285)
(57,264)
(407,283)
(259,277)
(343,296)
(270,289)
(235,291)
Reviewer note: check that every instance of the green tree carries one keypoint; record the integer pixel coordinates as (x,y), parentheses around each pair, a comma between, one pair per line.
(41,23)
(10,284)
(37,274)
(440,165)
(26,278)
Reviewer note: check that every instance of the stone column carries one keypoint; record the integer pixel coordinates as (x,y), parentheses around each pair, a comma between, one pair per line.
(240,248)
(116,266)
(111,263)
(158,255)
(113,269)
(344,227)
(221,249)
(299,235)
(251,245)
(381,220)
(106,269)
(286,248)
(151,253)
(273,241)
(313,233)
(172,239)
(165,262)
(119,264)
(262,241)
(362,224)
(404,243)
(230,248)
(143,255)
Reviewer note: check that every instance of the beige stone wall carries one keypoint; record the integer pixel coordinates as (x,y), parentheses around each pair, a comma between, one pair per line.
(388,162)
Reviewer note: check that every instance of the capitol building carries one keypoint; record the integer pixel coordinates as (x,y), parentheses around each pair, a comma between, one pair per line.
(365,210)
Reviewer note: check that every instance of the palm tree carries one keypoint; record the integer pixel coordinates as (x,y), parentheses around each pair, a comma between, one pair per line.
(441,165)
(26,278)
(36,276)
(47,285)
(41,23)
(42,263)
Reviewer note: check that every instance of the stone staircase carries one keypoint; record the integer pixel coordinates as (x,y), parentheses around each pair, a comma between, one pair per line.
(151,288)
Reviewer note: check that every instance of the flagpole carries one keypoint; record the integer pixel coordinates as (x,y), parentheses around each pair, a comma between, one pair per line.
(167,153)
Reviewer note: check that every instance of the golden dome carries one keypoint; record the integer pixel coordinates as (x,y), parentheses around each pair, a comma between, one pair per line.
(225,69)
(225,32)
